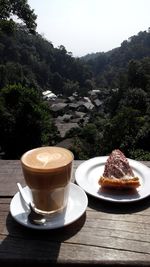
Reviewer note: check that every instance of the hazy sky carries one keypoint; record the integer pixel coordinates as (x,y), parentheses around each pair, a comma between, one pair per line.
(86,26)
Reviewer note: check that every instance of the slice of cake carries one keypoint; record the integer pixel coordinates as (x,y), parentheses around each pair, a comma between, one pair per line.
(118,173)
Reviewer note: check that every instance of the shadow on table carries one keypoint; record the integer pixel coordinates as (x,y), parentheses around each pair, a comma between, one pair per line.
(25,246)
(118,208)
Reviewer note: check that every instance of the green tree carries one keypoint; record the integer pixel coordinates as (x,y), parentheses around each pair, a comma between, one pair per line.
(25,121)
(87,142)
(122,130)
(135,98)
(136,75)
(57,83)
(21,9)
(70,87)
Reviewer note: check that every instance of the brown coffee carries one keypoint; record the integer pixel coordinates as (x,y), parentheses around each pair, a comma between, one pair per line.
(47,172)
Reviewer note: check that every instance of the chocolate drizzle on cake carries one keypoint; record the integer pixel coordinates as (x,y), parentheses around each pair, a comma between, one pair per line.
(118,173)
(117,166)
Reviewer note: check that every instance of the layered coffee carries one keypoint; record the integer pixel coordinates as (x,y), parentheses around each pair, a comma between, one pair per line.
(47,172)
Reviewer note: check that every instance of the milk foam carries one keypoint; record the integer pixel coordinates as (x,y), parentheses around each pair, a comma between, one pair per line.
(47,157)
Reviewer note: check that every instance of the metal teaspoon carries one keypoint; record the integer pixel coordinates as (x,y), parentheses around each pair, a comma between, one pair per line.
(33,217)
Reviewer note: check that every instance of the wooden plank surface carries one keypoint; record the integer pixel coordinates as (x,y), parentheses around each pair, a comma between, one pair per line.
(108,234)
(104,235)
(11,173)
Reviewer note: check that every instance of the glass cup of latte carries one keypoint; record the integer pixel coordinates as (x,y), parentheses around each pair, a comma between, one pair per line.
(47,172)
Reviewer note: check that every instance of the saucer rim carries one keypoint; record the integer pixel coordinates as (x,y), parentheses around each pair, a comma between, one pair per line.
(50,225)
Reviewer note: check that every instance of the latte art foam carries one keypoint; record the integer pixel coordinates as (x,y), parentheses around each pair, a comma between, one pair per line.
(47,158)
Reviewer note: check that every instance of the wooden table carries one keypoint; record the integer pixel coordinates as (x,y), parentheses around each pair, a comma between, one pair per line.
(108,234)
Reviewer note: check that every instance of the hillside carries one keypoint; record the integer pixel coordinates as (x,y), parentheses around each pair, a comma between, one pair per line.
(108,67)
(33,61)
(118,83)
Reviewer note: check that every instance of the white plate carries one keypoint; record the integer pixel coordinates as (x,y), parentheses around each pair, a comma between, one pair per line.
(89,172)
(76,207)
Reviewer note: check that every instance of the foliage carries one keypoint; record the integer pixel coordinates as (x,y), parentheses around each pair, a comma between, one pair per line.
(33,61)
(124,75)
(25,121)
(122,129)
(135,98)
(128,130)
(29,64)
(125,123)
(70,87)
(140,154)
(110,66)
(87,143)
(21,9)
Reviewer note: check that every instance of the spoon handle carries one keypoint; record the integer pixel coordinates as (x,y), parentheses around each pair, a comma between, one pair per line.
(23,194)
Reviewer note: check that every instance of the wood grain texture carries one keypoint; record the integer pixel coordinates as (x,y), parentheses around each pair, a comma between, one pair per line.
(11,173)
(108,234)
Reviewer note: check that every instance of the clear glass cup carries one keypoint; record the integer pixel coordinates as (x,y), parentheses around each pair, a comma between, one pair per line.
(47,172)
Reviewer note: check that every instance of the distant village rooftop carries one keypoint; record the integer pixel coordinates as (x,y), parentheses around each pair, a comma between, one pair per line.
(48,95)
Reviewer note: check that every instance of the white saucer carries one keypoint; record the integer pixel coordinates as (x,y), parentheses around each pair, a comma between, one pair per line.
(76,207)
(88,173)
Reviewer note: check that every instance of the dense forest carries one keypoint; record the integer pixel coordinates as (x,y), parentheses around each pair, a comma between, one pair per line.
(123,78)
(33,61)
(111,69)
(30,64)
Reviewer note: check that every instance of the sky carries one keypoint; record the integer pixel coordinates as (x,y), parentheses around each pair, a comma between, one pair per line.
(90,26)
